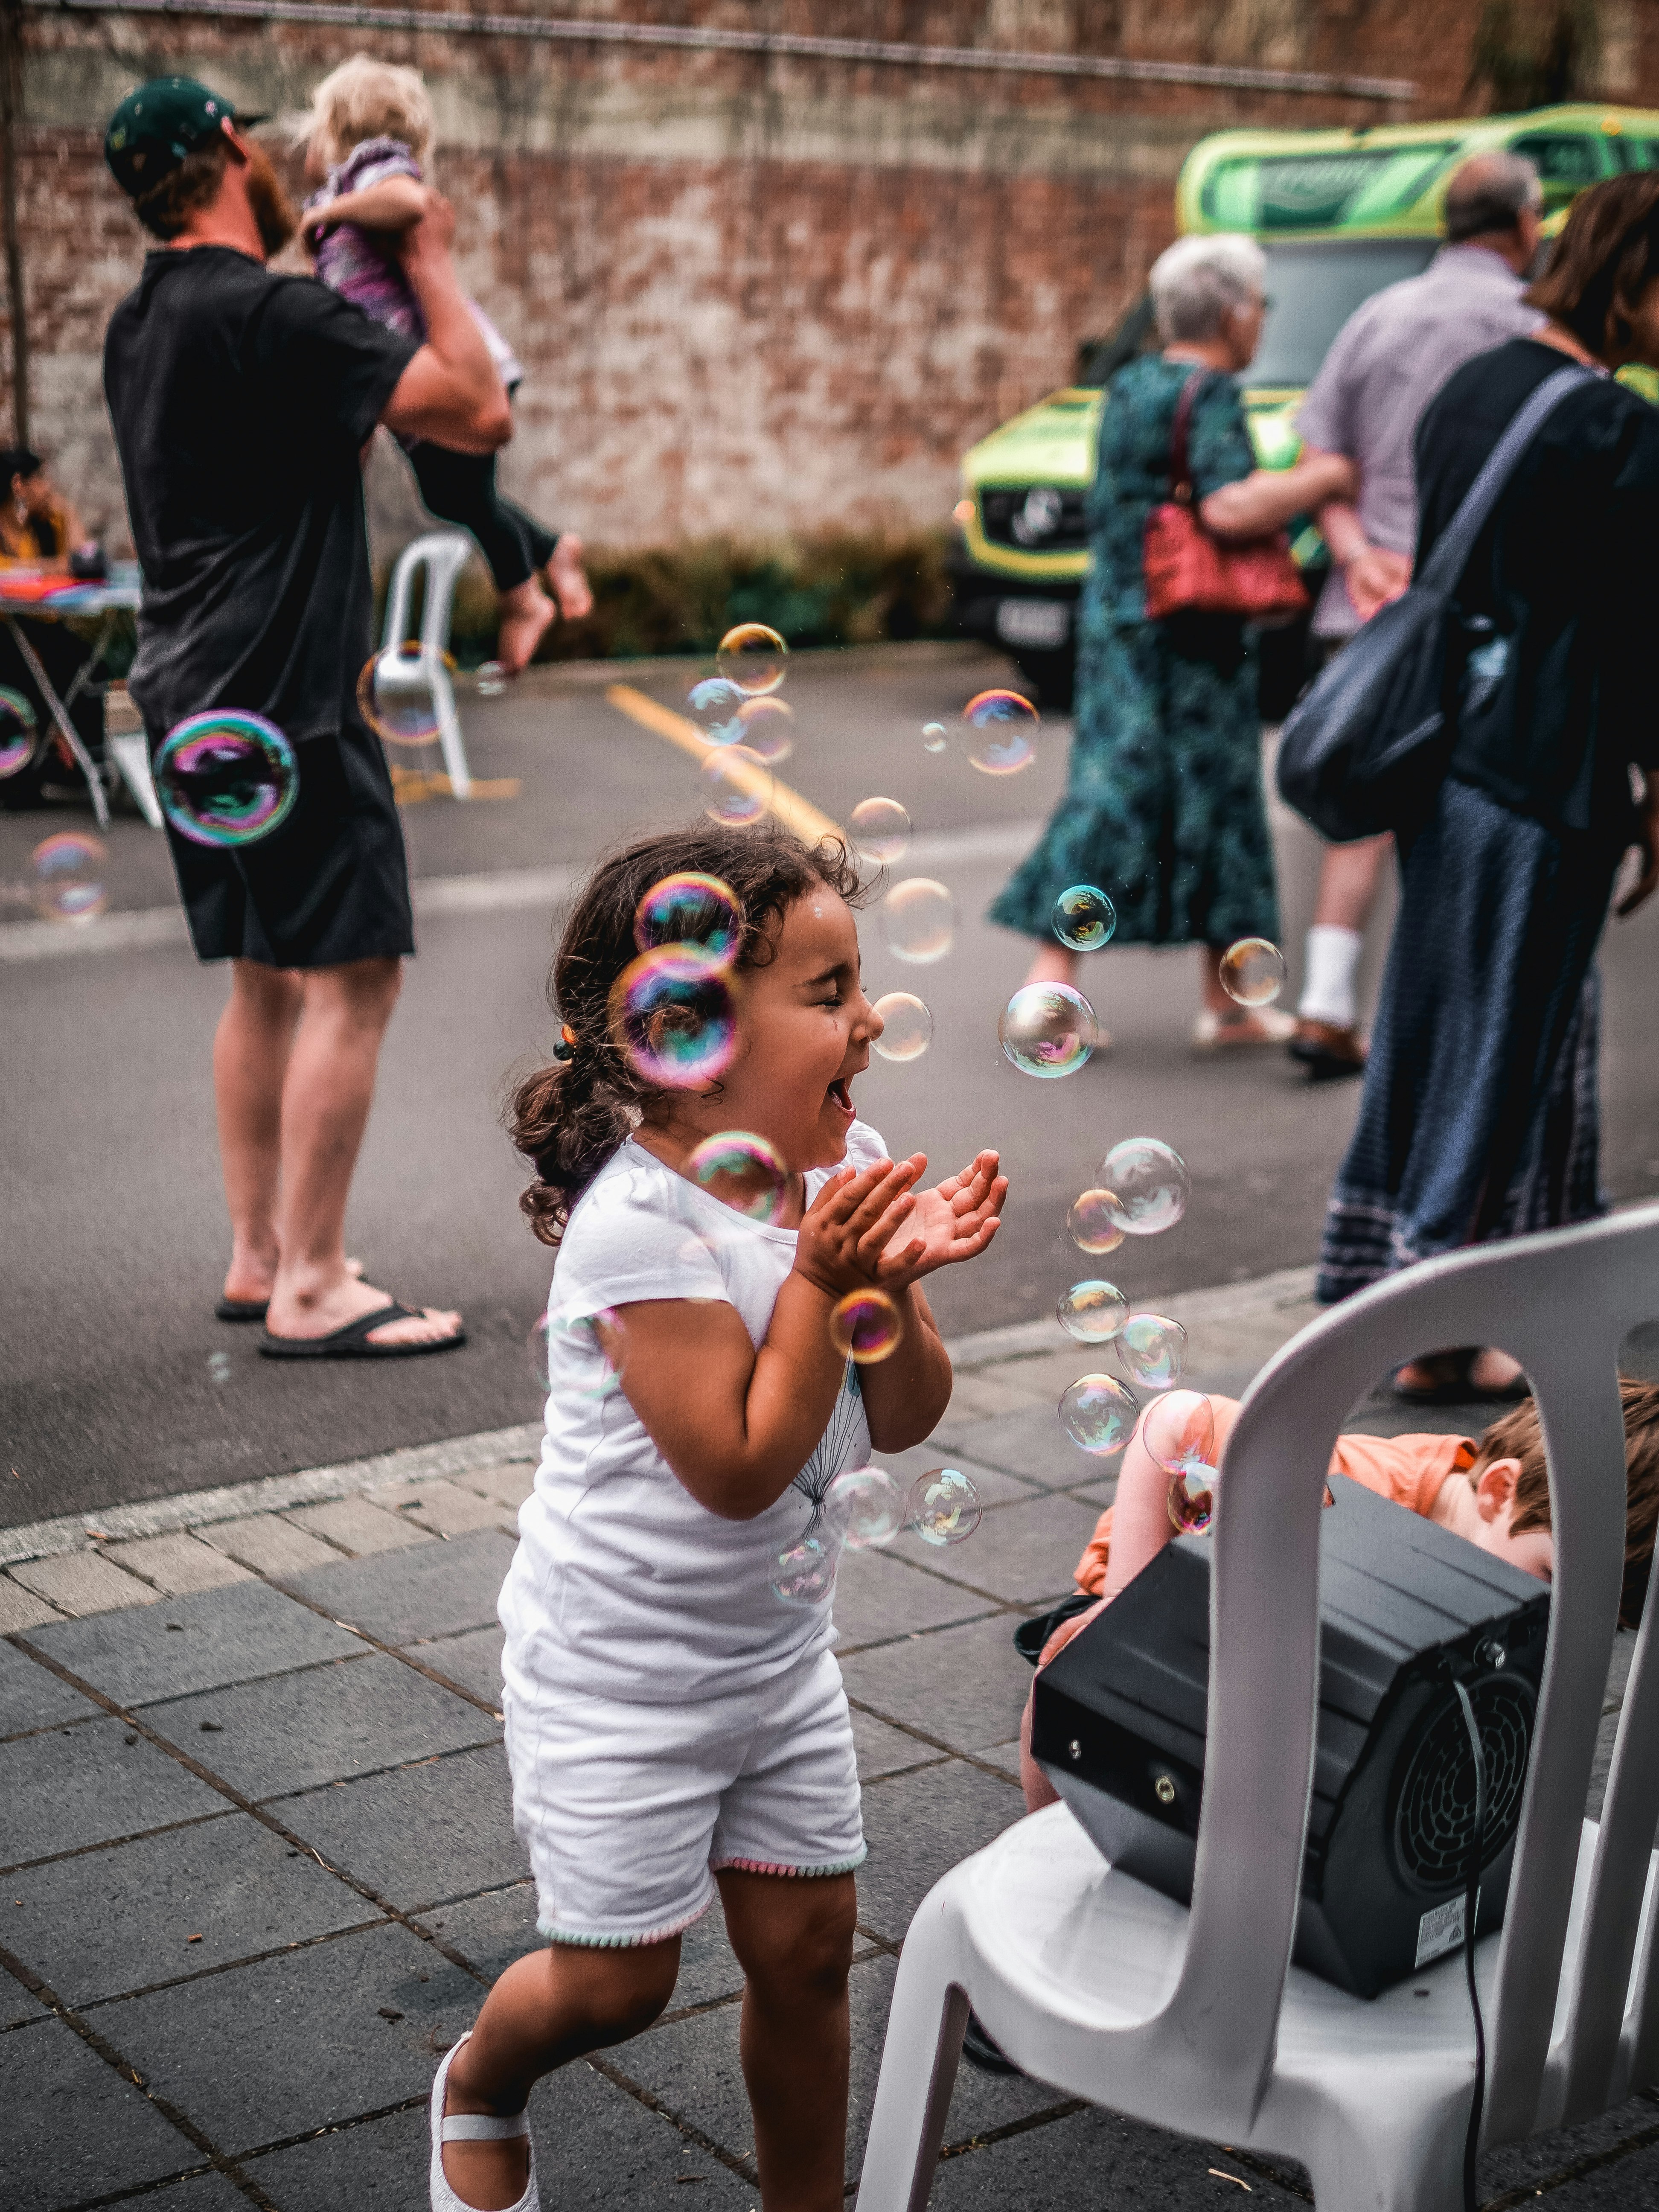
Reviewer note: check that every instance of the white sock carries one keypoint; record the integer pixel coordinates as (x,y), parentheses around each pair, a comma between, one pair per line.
(1333,957)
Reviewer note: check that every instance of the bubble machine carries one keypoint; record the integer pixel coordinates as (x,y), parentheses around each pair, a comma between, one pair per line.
(1406,1608)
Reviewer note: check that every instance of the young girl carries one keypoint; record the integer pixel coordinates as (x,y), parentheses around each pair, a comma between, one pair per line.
(368,132)
(672,1726)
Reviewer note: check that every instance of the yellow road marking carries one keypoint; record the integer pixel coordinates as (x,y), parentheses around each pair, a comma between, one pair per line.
(795,812)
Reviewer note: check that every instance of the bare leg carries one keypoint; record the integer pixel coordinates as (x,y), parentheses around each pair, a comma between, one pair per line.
(568,578)
(1053,965)
(527,612)
(250,1058)
(327,1093)
(1348,882)
(794,1938)
(546,2009)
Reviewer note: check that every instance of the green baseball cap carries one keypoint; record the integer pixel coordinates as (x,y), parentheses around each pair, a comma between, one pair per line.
(158,124)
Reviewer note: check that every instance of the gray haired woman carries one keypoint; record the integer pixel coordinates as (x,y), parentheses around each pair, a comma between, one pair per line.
(1163,805)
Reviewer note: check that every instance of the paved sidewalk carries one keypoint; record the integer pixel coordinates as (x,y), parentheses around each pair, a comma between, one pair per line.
(259,1864)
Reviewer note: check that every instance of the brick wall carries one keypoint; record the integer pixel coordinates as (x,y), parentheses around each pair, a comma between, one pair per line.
(755,295)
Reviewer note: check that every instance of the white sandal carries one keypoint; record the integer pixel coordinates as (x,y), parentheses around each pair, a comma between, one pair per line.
(471,2127)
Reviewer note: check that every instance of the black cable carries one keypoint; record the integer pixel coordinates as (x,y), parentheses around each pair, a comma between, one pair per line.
(1471,1901)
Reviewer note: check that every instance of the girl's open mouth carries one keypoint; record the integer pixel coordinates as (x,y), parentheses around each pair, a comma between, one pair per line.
(841,1092)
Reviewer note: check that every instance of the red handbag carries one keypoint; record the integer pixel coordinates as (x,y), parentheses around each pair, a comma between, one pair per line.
(1190,572)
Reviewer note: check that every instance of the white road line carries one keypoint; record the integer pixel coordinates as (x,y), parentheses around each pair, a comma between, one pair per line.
(502,891)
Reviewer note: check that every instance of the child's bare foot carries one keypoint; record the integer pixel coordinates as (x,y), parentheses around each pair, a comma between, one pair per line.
(526,613)
(568,578)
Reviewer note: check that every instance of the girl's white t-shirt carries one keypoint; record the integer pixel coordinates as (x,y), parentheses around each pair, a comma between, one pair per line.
(622,1585)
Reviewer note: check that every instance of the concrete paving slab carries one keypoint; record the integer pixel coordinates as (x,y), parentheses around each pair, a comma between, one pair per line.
(446,1508)
(985,1394)
(79,1582)
(32,1697)
(342,2028)
(16,2004)
(355,1526)
(403,1598)
(473,1659)
(1023,1554)
(966,1686)
(202,2193)
(162,1906)
(884,1750)
(74,2130)
(1613,2142)
(88,1785)
(877,1596)
(21,1608)
(177,1564)
(269,1544)
(441,1829)
(1031,1442)
(919,1825)
(327,1724)
(490,1931)
(509,1482)
(1628,2184)
(1091,2159)
(196,1643)
(995,1487)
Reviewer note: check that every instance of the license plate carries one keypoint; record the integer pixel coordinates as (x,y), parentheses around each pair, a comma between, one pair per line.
(1033,622)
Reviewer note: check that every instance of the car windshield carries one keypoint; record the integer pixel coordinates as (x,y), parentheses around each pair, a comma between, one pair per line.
(1314,289)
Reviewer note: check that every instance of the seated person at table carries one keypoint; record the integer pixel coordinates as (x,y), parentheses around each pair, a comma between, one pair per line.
(38,525)
(1495,1493)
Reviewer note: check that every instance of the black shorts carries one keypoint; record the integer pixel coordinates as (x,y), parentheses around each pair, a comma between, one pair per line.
(331,884)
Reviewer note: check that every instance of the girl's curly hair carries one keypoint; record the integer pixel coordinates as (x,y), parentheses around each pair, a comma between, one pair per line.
(570,1117)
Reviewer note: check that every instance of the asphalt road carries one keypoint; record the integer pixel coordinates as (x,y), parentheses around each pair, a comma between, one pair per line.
(111,1215)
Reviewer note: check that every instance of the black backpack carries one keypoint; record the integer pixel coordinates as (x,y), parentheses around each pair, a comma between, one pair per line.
(1366,745)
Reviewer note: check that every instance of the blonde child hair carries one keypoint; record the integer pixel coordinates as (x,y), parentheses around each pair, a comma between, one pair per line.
(365,98)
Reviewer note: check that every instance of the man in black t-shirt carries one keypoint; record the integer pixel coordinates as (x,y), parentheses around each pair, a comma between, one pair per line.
(240,402)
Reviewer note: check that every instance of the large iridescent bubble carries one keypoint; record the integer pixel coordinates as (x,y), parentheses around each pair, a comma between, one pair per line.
(697,913)
(752,657)
(1084,917)
(866,1326)
(805,1573)
(675,1019)
(907,1026)
(1153,1350)
(737,785)
(766,726)
(1048,1030)
(1098,1413)
(943,1506)
(226,778)
(864,1507)
(715,706)
(999,733)
(919,921)
(1092,1222)
(19,731)
(743,1170)
(66,878)
(1150,1182)
(880,830)
(399,692)
(1092,1312)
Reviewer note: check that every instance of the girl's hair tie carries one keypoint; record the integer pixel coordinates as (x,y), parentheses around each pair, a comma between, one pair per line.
(566,1048)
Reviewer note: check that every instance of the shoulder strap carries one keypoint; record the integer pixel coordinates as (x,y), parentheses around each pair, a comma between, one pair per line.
(1456,541)
(1181,475)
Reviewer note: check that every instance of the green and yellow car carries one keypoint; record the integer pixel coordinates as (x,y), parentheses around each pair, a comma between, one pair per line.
(1341,214)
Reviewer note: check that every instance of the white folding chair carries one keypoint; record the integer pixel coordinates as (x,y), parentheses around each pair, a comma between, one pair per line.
(443,554)
(1194,2020)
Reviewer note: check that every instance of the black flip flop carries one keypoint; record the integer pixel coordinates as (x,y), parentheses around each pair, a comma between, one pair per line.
(241,1309)
(1455,1390)
(352,1342)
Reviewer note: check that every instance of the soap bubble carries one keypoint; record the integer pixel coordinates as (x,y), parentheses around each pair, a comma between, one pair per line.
(1084,917)
(737,786)
(696,914)
(805,1573)
(1253,971)
(907,1026)
(743,1171)
(569,1340)
(18,731)
(676,1021)
(934,738)
(66,878)
(491,679)
(398,693)
(714,704)
(864,1507)
(1153,1350)
(1179,1431)
(1091,1221)
(752,657)
(866,1326)
(1097,1413)
(1092,1312)
(226,778)
(880,830)
(1191,1499)
(919,921)
(1048,1030)
(943,1506)
(1150,1182)
(999,733)
(767,726)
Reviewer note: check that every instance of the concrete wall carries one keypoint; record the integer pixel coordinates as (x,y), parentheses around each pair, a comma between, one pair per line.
(755,295)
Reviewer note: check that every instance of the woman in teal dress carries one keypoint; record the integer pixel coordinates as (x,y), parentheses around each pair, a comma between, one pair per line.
(1163,806)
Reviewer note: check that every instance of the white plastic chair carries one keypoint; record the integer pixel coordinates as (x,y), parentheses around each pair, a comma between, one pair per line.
(443,554)
(1195,2021)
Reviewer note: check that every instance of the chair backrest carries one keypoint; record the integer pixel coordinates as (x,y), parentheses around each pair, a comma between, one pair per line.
(443,554)
(1561,1303)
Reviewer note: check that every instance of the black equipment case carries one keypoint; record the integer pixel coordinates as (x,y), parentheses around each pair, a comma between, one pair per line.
(1118,1726)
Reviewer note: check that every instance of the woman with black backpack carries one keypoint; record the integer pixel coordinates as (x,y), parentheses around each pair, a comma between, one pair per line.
(1479,1117)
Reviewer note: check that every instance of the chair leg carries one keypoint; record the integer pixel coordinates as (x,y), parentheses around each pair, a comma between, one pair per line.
(1389,2159)
(913,2096)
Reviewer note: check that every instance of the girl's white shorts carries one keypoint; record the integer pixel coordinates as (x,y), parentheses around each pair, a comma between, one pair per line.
(628,1810)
